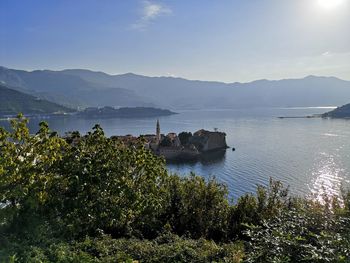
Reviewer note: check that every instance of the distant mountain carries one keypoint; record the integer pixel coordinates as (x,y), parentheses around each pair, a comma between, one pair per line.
(13,102)
(181,93)
(69,90)
(340,112)
(90,88)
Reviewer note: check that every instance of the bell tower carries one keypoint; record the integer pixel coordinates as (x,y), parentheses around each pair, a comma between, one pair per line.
(158,132)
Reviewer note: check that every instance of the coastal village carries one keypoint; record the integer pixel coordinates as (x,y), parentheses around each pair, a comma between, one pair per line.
(182,146)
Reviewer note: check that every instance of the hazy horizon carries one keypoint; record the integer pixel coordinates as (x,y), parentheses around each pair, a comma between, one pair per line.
(179,77)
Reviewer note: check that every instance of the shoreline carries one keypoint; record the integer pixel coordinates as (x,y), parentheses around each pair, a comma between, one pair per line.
(300,117)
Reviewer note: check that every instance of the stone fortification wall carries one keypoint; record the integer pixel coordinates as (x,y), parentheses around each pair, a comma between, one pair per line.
(208,141)
(172,153)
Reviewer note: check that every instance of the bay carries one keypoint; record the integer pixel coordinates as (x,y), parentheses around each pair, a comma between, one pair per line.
(311,155)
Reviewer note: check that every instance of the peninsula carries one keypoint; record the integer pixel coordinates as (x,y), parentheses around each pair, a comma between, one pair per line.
(125,112)
(342,112)
(184,146)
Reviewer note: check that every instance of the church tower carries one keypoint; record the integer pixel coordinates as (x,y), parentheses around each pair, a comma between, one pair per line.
(158,132)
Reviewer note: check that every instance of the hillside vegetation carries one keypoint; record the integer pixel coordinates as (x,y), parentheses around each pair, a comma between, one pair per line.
(13,101)
(89,198)
(340,112)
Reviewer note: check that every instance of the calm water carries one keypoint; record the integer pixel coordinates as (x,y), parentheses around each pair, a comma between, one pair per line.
(310,155)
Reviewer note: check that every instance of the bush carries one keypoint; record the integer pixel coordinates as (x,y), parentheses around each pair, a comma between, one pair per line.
(268,203)
(93,199)
(297,236)
(166,248)
(197,208)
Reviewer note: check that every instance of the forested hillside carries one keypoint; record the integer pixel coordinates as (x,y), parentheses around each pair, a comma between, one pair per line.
(340,112)
(12,102)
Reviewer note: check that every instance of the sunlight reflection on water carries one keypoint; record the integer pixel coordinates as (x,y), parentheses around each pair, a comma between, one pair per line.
(328,177)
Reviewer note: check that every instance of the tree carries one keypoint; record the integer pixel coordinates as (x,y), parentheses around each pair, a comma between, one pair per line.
(166,142)
(25,170)
(184,137)
(95,184)
(104,185)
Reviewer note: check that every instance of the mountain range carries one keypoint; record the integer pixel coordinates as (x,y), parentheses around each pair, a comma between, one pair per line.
(85,88)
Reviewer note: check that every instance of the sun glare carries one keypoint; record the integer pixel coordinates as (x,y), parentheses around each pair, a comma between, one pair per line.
(330,4)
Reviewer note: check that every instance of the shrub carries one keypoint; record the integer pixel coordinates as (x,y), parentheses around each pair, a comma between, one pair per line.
(304,235)
(106,249)
(93,199)
(197,208)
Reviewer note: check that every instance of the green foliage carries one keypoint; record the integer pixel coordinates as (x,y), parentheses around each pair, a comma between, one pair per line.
(166,248)
(197,207)
(93,199)
(103,185)
(269,202)
(25,170)
(297,236)
(166,142)
(184,137)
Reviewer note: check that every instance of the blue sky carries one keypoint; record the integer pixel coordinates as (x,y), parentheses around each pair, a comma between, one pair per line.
(227,40)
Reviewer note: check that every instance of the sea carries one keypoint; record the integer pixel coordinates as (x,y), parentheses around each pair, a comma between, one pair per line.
(309,155)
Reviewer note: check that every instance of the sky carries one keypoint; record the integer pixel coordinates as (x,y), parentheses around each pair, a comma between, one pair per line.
(226,40)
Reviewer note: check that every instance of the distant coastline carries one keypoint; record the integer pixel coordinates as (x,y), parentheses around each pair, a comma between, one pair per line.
(342,112)
(124,112)
(101,113)
(301,117)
